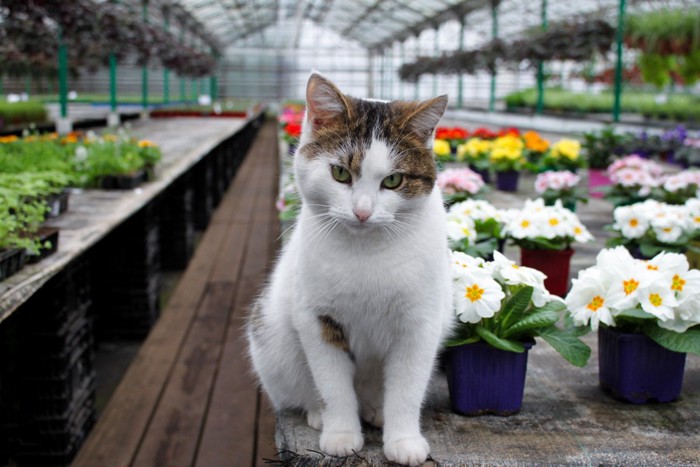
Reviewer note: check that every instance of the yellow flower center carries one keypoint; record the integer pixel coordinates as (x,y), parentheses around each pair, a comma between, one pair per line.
(655,299)
(553,221)
(667,229)
(596,303)
(630,286)
(651,267)
(696,219)
(634,222)
(678,283)
(525,224)
(465,231)
(578,230)
(474,293)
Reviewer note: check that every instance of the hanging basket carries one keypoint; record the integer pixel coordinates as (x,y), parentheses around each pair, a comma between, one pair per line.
(555,264)
(634,368)
(485,380)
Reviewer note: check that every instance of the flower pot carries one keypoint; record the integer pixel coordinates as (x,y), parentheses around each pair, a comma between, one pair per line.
(554,263)
(58,203)
(123,182)
(485,173)
(597,178)
(11,261)
(45,234)
(634,368)
(485,380)
(508,180)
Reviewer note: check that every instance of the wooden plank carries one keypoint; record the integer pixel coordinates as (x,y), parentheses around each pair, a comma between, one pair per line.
(229,436)
(265,448)
(173,433)
(118,432)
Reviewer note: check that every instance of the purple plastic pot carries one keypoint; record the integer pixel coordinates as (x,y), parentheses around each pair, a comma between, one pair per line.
(634,368)
(485,380)
(508,180)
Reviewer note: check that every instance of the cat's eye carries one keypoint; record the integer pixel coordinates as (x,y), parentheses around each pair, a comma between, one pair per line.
(340,174)
(392,181)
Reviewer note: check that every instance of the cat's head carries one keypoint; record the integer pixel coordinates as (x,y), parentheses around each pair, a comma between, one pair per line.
(365,163)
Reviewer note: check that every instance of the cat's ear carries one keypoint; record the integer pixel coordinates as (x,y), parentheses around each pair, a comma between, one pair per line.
(325,104)
(426,115)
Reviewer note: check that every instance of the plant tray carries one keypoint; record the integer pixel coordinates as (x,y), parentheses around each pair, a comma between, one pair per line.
(11,261)
(58,203)
(123,182)
(46,234)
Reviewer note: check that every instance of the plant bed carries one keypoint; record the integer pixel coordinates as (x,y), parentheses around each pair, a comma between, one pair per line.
(123,181)
(11,261)
(48,237)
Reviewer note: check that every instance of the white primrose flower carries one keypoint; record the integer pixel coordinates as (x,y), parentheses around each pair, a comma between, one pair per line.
(631,221)
(587,300)
(658,299)
(476,295)
(462,262)
(461,228)
(684,282)
(666,229)
(624,276)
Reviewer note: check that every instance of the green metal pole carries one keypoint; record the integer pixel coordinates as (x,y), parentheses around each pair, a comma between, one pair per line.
(494,35)
(540,66)
(144,71)
(618,65)
(183,85)
(193,89)
(113,82)
(460,77)
(28,84)
(63,77)
(166,72)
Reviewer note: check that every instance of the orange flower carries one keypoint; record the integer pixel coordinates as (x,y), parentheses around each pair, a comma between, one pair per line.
(534,142)
(8,139)
(144,143)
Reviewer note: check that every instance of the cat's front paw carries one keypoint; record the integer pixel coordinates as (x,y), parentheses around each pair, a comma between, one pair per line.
(408,451)
(341,443)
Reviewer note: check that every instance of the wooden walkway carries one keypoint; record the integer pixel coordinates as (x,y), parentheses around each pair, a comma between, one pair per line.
(188,398)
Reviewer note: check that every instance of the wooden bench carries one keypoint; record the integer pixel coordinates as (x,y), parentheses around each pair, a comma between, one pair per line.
(188,397)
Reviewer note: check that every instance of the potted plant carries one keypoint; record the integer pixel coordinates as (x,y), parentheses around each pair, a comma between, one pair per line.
(545,235)
(501,308)
(475,152)
(679,187)
(475,227)
(454,135)
(633,179)
(565,154)
(600,148)
(688,155)
(648,228)
(507,159)
(535,148)
(559,185)
(459,184)
(647,314)
(291,133)
(443,150)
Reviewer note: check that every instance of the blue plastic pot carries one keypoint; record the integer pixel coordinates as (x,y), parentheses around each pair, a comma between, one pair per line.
(485,380)
(634,368)
(508,180)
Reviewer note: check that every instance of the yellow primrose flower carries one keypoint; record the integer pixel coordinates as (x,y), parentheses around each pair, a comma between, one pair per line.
(569,148)
(441,147)
(144,143)
(474,147)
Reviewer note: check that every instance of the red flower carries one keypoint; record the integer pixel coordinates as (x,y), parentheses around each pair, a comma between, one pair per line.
(293,130)
(509,131)
(484,133)
(449,134)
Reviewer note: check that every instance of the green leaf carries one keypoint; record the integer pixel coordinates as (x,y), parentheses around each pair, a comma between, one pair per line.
(455,341)
(648,250)
(554,305)
(688,341)
(539,319)
(635,314)
(570,347)
(499,343)
(516,306)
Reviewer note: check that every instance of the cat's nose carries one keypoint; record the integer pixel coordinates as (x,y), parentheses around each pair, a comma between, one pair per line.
(362,214)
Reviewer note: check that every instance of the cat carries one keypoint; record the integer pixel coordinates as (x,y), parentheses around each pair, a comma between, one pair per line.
(360,299)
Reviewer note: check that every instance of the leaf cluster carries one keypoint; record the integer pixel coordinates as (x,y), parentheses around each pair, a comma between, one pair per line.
(518,321)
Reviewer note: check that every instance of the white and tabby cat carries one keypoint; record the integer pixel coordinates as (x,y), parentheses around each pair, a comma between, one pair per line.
(360,299)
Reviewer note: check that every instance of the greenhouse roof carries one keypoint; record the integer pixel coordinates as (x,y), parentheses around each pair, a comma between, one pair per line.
(374,24)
